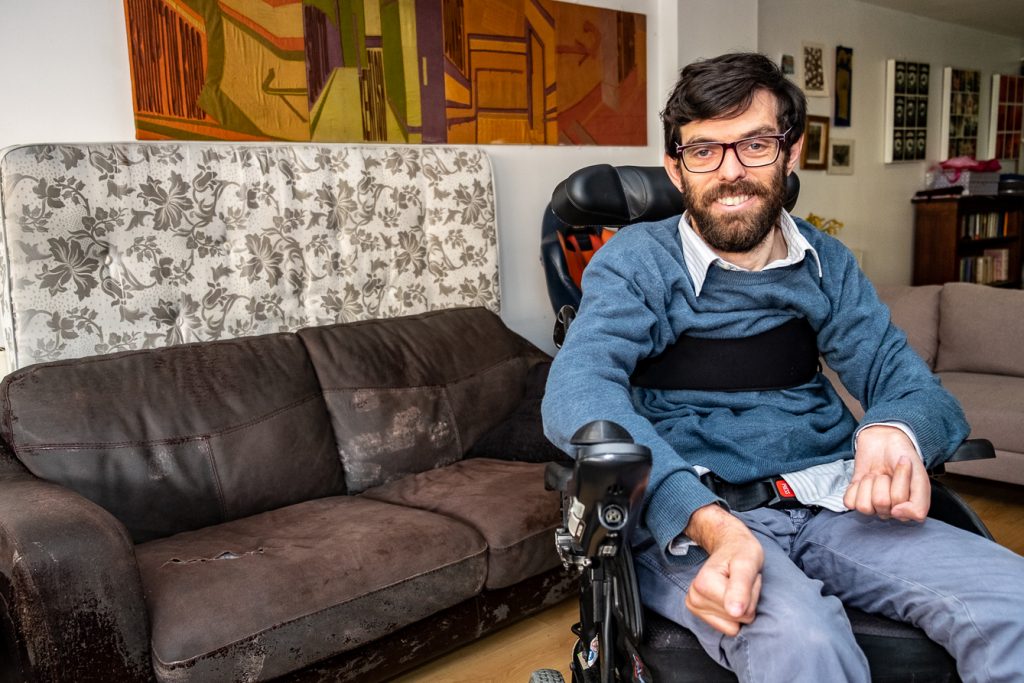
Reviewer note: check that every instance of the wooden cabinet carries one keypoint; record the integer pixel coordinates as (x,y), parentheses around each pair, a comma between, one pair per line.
(968,239)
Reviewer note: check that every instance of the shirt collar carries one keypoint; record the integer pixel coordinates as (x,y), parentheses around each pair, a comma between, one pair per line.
(699,256)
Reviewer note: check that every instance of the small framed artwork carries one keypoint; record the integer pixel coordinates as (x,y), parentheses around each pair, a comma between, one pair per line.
(844,86)
(906,110)
(961,103)
(815,154)
(788,65)
(812,63)
(840,157)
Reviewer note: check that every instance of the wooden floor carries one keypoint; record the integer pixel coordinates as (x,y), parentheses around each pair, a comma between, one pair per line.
(544,640)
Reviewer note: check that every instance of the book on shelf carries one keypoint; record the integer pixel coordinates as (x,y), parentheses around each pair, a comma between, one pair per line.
(993,265)
(981,226)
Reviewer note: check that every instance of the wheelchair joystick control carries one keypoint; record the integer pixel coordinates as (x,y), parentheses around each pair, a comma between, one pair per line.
(603,495)
(599,432)
(601,501)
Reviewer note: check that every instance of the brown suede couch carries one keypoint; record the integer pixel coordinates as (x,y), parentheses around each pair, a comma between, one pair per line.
(298,506)
(972,336)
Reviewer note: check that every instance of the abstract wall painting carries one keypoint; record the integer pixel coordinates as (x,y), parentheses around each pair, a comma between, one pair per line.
(961,103)
(842,114)
(906,110)
(1007,111)
(812,64)
(407,71)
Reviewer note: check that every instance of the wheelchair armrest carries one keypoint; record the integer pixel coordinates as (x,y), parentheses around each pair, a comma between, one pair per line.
(557,476)
(970,449)
(947,506)
(973,449)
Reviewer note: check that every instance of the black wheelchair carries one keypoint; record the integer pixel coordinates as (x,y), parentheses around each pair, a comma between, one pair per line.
(618,641)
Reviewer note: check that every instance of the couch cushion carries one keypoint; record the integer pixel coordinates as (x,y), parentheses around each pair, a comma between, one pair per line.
(520,436)
(981,330)
(262,596)
(915,310)
(504,501)
(992,404)
(410,394)
(178,438)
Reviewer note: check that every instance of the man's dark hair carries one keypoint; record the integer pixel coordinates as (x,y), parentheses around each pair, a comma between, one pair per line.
(723,87)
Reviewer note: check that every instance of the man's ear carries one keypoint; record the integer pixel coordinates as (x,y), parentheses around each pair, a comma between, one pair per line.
(674,172)
(794,155)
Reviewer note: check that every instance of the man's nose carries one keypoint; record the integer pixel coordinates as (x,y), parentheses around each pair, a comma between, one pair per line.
(731,168)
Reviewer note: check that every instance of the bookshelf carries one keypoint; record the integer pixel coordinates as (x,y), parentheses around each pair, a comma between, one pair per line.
(972,238)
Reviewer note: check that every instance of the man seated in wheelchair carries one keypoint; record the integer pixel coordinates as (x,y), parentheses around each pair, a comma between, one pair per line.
(700,335)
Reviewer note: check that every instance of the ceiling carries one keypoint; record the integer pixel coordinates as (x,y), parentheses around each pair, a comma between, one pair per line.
(1005,17)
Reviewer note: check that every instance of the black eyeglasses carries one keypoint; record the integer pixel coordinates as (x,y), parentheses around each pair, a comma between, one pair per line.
(704,157)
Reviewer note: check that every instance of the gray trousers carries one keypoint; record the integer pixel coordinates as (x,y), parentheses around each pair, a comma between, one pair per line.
(964,591)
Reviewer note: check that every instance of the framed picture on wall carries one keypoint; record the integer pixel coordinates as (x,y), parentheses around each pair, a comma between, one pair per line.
(961,101)
(815,153)
(844,86)
(906,110)
(1006,124)
(788,65)
(812,70)
(840,157)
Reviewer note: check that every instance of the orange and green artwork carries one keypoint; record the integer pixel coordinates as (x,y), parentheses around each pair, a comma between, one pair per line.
(406,71)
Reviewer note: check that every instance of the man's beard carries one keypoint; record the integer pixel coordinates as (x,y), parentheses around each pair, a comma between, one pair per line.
(740,232)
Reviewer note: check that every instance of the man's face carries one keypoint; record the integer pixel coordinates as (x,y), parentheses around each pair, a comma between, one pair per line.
(735,207)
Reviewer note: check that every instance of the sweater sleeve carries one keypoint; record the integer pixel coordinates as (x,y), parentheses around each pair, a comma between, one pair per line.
(621,320)
(877,365)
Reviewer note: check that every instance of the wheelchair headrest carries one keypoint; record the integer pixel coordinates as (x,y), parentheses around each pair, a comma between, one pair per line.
(621,195)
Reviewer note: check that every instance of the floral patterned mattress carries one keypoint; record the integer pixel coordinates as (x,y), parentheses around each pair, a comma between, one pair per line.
(112,247)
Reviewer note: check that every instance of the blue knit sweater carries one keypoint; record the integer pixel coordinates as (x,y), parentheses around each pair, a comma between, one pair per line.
(638,298)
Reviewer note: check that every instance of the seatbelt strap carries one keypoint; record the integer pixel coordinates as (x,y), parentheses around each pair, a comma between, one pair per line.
(783,357)
(772,492)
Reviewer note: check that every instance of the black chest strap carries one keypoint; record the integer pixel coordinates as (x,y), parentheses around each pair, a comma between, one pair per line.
(783,357)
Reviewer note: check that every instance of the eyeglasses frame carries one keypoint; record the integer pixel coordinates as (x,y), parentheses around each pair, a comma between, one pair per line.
(726,146)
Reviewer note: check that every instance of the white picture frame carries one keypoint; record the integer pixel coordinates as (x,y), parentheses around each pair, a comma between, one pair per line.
(1006,118)
(907,85)
(961,106)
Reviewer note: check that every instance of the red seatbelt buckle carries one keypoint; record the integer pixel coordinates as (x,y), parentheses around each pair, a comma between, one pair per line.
(783,488)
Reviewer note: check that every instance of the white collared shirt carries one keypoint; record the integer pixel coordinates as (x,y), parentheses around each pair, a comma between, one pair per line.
(699,256)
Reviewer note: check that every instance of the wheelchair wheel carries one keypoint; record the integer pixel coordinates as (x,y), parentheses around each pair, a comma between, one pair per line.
(547,676)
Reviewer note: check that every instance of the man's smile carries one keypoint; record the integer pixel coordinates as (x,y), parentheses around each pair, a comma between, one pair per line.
(735,200)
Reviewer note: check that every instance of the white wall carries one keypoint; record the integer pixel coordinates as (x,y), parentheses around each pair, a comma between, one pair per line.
(708,28)
(874,202)
(64,75)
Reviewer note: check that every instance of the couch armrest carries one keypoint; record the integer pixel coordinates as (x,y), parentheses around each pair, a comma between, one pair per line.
(71,600)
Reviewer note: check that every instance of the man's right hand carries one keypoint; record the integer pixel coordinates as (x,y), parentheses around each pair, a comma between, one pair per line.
(726,589)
